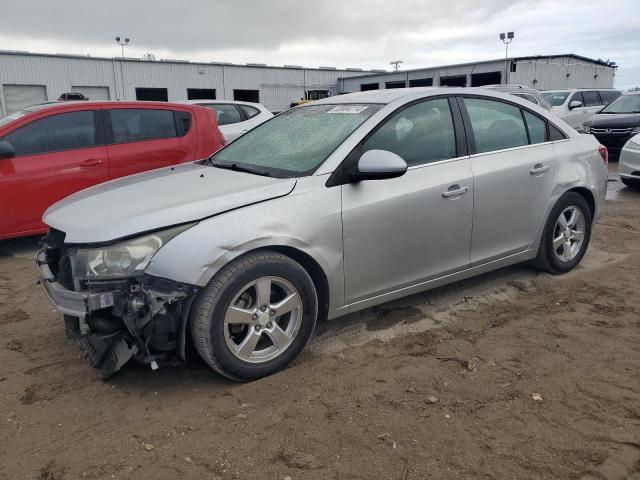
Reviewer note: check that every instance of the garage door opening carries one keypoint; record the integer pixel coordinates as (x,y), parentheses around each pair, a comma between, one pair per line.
(421,82)
(93,93)
(317,94)
(17,97)
(454,81)
(369,86)
(399,84)
(488,78)
(201,93)
(152,94)
(247,95)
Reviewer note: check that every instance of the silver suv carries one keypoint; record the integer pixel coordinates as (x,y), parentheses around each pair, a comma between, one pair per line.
(326,209)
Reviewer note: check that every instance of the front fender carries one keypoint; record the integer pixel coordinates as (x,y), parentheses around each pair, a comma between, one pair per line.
(309,220)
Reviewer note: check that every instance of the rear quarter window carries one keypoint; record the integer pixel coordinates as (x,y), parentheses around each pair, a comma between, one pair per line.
(135,124)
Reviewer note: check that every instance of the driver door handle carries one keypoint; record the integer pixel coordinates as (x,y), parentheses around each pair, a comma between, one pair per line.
(538,169)
(92,162)
(455,191)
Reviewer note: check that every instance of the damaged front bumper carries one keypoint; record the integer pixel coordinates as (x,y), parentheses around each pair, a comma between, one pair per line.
(141,317)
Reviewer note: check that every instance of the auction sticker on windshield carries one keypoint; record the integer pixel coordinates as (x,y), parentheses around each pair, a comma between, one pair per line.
(348,109)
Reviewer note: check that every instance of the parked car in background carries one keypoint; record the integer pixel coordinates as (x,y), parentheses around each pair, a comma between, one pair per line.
(576,106)
(629,166)
(328,208)
(522,91)
(48,152)
(235,118)
(72,97)
(616,123)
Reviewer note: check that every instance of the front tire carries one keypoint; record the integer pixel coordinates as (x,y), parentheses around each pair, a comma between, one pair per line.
(255,316)
(566,235)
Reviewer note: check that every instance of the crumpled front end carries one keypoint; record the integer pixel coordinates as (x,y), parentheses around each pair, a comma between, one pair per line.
(139,316)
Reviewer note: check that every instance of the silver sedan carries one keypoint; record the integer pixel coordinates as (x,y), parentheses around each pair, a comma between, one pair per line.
(326,209)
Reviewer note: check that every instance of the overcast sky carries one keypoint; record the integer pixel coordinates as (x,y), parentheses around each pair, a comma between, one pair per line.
(340,33)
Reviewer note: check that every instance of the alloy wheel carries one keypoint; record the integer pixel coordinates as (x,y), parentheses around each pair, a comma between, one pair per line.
(568,234)
(263,319)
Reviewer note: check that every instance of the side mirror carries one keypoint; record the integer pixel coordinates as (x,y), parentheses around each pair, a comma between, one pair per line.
(378,165)
(575,104)
(6,150)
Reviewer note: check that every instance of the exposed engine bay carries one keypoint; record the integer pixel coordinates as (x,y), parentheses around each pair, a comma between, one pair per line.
(140,317)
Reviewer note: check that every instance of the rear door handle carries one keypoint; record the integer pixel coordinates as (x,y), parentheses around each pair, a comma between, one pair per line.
(92,162)
(455,191)
(538,169)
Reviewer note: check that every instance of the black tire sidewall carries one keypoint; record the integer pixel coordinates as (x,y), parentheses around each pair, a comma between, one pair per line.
(278,266)
(567,200)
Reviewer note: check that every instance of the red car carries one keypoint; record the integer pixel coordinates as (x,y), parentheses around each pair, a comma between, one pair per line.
(50,151)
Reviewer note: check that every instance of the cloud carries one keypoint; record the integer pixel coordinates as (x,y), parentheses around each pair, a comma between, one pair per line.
(357,33)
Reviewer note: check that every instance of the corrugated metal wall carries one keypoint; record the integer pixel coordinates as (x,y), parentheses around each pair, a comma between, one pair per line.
(538,73)
(555,75)
(278,86)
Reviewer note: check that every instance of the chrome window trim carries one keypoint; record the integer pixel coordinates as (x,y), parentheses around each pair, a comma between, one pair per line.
(518,148)
(438,162)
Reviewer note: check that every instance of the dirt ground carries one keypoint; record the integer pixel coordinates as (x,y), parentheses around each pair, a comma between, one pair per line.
(513,375)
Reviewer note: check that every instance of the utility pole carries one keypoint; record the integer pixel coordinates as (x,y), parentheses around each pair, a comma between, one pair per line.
(396,65)
(506,38)
(122,45)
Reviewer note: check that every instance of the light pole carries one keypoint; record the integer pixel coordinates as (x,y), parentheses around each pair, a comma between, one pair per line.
(506,38)
(396,65)
(122,45)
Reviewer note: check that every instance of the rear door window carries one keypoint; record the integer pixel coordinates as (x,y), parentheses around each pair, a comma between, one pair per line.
(64,131)
(609,96)
(536,126)
(136,124)
(591,98)
(226,114)
(496,125)
(249,111)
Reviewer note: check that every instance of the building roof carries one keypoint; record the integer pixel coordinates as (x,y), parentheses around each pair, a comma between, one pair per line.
(499,60)
(170,61)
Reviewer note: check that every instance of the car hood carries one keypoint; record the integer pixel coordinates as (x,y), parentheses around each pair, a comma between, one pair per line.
(615,120)
(159,198)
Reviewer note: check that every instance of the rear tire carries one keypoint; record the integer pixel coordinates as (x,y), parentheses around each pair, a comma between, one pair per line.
(631,183)
(244,333)
(566,235)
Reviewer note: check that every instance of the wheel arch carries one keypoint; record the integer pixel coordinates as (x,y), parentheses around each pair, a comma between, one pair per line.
(588,196)
(315,271)
(310,264)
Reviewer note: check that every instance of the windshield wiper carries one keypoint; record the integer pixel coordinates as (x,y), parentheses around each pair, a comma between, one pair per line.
(239,167)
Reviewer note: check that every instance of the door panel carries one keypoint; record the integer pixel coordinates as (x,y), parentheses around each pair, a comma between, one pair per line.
(402,231)
(145,139)
(510,200)
(30,184)
(513,173)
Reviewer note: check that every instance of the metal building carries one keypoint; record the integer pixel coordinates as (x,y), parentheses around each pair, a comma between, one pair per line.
(540,72)
(31,78)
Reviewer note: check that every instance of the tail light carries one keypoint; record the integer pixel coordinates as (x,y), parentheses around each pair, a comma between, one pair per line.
(604,153)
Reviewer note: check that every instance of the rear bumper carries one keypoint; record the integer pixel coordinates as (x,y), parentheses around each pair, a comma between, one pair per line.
(67,301)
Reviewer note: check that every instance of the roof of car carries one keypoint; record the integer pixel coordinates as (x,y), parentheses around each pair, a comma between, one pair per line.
(578,89)
(95,103)
(217,101)
(392,94)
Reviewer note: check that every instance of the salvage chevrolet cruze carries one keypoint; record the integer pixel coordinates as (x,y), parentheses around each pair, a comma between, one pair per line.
(326,209)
